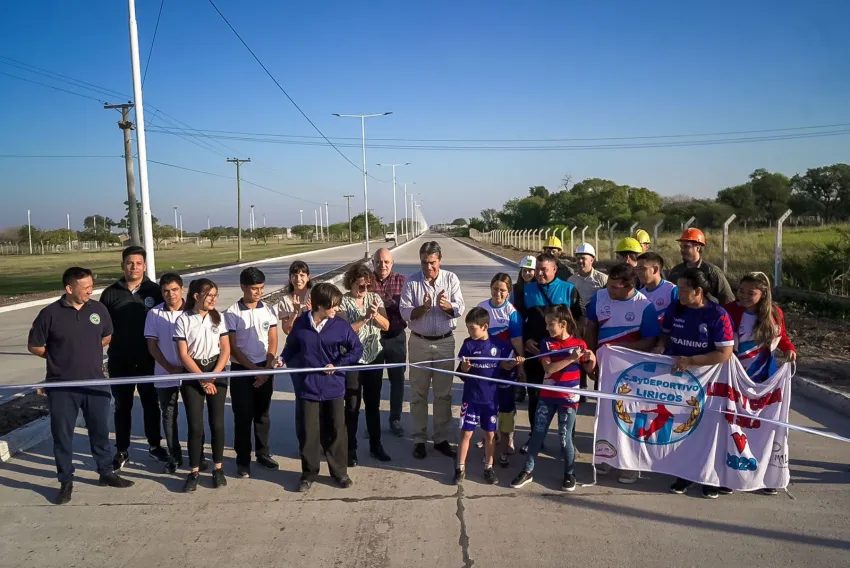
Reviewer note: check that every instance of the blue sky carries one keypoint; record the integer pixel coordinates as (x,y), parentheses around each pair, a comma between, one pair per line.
(447,70)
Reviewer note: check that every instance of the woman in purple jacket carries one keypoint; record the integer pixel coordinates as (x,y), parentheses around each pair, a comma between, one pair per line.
(318,339)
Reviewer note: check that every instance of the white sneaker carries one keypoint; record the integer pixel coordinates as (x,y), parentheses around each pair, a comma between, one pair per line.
(628,477)
(603,469)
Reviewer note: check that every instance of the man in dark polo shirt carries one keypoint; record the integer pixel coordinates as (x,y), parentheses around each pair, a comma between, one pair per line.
(388,285)
(128,301)
(71,334)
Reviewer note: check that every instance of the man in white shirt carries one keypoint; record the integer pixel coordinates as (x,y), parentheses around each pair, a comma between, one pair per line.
(587,279)
(252,326)
(431,302)
(159,334)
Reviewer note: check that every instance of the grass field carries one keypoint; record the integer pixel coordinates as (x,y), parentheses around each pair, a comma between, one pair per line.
(24,274)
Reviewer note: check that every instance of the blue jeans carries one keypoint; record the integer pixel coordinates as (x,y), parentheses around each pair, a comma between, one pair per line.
(546,409)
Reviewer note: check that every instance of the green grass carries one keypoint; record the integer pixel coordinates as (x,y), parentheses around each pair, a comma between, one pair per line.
(25,274)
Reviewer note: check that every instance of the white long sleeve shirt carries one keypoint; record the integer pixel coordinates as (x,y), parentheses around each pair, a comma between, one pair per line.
(436,321)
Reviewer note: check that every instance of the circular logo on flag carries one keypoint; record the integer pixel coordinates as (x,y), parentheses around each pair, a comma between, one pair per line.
(630,316)
(95,319)
(673,403)
(149,302)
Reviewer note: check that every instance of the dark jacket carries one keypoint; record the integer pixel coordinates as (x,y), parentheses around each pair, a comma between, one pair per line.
(306,348)
(128,350)
(720,291)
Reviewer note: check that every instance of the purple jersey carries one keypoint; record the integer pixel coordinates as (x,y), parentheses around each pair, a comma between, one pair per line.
(696,331)
(478,391)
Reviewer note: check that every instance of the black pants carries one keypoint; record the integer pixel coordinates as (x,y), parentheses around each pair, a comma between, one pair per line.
(193,399)
(168,405)
(64,405)
(124,394)
(321,425)
(363,386)
(533,375)
(394,351)
(250,407)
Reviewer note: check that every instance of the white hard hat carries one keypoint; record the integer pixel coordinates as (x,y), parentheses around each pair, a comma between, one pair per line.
(586,248)
(528,262)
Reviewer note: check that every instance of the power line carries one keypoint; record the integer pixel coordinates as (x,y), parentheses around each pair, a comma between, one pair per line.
(153,42)
(282,90)
(70,92)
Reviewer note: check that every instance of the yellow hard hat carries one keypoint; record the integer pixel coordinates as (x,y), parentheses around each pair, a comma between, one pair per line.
(629,245)
(553,242)
(642,237)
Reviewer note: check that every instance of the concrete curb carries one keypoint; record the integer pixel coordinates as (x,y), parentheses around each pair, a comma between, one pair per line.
(822,394)
(98,291)
(33,433)
(489,254)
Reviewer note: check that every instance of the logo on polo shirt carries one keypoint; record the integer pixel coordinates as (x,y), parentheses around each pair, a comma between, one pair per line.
(149,302)
(630,316)
(265,326)
(95,319)
(214,329)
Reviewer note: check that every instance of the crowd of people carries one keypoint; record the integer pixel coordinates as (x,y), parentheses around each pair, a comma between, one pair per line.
(542,329)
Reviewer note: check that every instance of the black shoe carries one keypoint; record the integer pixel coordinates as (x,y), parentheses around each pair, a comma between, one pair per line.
(680,486)
(304,485)
(769,491)
(446,449)
(243,471)
(569,483)
(65,491)
(419,451)
(460,475)
(205,465)
(395,428)
(120,459)
(352,458)
(191,482)
(113,480)
(521,480)
(709,492)
(379,454)
(490,476)
(159,453)
(171,466)
(266,461)
(218,478)
(345,482)
(724,491)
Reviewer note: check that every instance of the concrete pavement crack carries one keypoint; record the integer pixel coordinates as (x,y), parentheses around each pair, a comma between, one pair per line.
(463,540)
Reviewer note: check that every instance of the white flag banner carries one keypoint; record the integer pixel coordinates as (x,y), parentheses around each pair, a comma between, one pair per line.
(702,424)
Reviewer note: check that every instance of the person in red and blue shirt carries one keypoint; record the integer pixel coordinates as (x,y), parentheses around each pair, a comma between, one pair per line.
(563,355)
(759,326)
(697,332)
(505,325)
(487,357)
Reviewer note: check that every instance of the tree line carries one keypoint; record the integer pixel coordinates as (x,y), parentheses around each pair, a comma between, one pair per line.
(821,193)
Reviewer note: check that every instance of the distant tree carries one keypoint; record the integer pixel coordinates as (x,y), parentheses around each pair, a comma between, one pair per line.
(771,192)
(303,231)
(24,234)
(163,232)
(490,219)
(531,213)
(827,185)
(261,234)
(742,201)
(213,234)
(538,191)
(459,221)
(477,224)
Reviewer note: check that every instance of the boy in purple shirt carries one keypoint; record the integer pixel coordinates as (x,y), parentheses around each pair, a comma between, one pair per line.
(479,355)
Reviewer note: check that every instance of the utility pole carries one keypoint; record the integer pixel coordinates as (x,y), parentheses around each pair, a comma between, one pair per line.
(176,225)
(238,162)
(126,126)
(251,219)
(348,198)
(327,222)
(68,218)
(315,224)
(321,225)
(300,216)
(29,228)
(181,227)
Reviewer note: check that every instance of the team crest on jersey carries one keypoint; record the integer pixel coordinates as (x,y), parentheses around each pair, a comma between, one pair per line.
(630,316)
(494,351)
(659,302)
(265,326)
(215,329)
(95,319)
(703,330)
(149,302)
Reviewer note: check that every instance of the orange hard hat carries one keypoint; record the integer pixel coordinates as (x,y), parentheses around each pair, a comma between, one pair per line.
(693,235)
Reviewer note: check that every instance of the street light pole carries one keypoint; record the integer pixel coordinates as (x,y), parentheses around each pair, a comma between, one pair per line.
(68,218)
(363,118)
(395,213)
(29,229)
(176,232)
(300,216)
(327,222)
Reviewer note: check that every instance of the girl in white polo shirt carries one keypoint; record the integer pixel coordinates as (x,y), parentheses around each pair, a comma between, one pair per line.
(203,347)
(296,299)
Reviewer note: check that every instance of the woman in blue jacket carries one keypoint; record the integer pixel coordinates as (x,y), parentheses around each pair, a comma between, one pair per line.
(318,339)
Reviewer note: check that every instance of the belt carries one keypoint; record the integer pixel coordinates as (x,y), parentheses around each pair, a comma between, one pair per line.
(432,337)
(205,362)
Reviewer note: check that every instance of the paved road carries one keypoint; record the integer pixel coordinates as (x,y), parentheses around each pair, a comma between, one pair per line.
(17,365)
(407,513)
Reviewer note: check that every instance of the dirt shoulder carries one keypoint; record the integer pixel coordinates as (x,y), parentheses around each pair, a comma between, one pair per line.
(823,342)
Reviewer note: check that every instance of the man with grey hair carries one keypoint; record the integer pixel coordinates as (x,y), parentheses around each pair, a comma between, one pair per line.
(431,303)
(389,285)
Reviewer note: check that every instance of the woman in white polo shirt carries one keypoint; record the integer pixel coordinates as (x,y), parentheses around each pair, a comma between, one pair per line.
(296,299)
(203,347)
